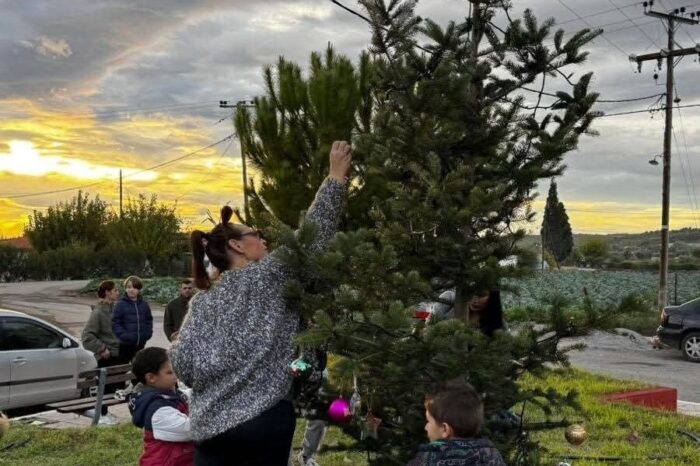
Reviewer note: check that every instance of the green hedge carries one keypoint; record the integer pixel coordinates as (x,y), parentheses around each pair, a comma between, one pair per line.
(81,262)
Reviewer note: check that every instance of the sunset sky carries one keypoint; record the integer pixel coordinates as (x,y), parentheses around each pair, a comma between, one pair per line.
(91,87)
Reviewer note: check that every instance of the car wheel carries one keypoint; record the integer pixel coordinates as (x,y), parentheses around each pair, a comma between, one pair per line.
(691,346)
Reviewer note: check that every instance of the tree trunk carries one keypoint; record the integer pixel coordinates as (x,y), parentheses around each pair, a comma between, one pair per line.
(462,304)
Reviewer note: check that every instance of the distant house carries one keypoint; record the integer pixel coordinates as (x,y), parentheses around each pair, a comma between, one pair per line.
(20,243)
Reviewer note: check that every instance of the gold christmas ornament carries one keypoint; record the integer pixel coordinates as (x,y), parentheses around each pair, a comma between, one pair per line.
(4,425)
(575,434)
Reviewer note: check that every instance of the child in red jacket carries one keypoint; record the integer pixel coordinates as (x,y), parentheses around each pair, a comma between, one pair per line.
(161,410)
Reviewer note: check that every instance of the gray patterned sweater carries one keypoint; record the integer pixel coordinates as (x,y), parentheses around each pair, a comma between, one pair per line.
(236,343)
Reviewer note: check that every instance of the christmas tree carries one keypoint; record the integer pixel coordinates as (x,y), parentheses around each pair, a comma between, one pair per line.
(447,160)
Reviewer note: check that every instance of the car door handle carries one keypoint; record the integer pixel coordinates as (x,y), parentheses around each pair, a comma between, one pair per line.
(19,361)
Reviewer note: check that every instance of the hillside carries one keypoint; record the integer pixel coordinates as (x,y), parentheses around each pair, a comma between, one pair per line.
(638,246)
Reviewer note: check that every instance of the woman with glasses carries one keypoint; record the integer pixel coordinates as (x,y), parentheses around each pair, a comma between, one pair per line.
(236,344)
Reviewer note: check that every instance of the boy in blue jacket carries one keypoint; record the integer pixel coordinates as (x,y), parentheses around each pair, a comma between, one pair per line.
(132,321)
(454,417)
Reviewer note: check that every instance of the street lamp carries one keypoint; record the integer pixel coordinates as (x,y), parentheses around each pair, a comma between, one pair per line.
(654,161)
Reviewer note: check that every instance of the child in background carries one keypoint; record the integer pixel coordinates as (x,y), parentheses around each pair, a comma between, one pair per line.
(161,410)
(132,321)
(454,417)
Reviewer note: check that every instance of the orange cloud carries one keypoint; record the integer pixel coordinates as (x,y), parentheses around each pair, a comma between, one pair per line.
(43,150)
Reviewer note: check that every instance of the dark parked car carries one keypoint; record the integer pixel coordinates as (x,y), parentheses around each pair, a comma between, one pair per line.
(680,328)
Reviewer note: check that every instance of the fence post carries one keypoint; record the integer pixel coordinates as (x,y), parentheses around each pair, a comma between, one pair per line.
(675,289)
(100,394)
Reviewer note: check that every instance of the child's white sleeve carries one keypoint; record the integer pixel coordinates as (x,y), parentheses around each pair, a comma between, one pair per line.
(171,425)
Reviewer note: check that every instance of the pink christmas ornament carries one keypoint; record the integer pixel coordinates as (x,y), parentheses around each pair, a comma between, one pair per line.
(339,411)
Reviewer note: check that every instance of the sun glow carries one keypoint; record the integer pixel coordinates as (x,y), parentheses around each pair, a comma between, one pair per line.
(24,159)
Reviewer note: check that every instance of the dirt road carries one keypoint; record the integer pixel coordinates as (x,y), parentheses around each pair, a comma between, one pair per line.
(61,304)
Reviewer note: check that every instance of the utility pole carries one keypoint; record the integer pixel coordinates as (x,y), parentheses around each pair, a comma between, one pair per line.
(669,53)
(237,105)
(121,212)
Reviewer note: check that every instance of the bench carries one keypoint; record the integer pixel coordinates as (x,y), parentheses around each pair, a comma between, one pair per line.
(94,382)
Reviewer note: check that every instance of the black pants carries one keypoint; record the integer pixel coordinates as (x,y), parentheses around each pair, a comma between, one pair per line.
(263,441)
(127,352)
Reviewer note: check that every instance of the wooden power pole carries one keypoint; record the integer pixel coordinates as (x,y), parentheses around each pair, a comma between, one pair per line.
(672,20)
(241,104)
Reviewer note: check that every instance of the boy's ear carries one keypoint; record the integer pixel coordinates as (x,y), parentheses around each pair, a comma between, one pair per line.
(447,431)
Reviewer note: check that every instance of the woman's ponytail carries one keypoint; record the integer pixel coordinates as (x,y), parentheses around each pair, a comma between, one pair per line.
(199,272)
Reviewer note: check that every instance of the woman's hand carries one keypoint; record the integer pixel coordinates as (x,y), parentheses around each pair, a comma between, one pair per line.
(340,158)
(105,354)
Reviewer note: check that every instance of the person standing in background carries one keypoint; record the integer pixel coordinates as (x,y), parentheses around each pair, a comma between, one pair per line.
(132,321)
(176,310)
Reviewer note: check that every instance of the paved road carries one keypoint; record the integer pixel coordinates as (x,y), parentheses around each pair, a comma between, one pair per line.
(613,355)
(61,304)
(633,357)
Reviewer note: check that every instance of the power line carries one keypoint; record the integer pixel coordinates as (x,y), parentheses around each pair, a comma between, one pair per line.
(135,110)
(214,173)
(599,13)
(608,101)
(691,197)
(182,157)
(687,156)
(608,32)
(631,112)
(635,24)
(75,188)
(636,99)
(369,21)
(590,26)
(58,191)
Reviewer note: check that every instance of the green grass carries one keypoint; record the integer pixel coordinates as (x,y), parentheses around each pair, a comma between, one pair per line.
(118,446)
(609,428)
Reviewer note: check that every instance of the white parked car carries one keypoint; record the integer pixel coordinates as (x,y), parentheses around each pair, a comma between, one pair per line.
(39,362)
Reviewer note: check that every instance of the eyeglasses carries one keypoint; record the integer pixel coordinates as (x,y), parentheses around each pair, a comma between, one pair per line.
(255,233)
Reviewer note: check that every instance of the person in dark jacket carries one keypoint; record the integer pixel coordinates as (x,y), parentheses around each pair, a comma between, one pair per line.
(454,417)
(176,310)
(132,321)
(161,410)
